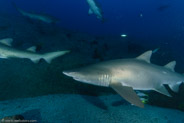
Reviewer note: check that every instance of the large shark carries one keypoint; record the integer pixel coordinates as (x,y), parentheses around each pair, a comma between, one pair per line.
(41,17)
(6,51)
(127,75)
(94,8)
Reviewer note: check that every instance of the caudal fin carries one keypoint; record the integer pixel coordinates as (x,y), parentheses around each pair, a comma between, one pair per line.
(18,9)
(48,57)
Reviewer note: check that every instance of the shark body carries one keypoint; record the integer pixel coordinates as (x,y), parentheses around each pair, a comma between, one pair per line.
(94,8)
(127,75)
(6,51)
(35,16)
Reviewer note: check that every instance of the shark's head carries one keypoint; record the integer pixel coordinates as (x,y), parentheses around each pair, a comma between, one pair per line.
(89,76)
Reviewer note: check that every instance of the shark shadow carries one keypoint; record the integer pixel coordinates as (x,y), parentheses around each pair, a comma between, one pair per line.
(93,99)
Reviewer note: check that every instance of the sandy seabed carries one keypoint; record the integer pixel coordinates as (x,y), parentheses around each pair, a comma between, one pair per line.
(87,109)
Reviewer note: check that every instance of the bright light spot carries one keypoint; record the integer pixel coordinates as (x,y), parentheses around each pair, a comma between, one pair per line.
(141,15)
(123,35)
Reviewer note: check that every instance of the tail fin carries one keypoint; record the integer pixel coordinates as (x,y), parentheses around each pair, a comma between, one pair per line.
(14,5)
(18,9)
(48,57)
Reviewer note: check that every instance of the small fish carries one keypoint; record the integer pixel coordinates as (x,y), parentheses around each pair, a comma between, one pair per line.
(124,35)
(144,100)
(6,51)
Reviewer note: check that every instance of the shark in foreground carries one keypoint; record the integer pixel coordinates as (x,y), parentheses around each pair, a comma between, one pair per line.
(94,8)
(6,51)
(41,17)
(127,75)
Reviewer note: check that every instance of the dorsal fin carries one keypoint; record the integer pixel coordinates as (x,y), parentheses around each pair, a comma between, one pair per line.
(7,41)
(32,49)
(171,65)
(145,56)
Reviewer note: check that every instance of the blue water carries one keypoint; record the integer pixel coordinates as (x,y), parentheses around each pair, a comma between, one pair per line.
(122,16)
(148,24)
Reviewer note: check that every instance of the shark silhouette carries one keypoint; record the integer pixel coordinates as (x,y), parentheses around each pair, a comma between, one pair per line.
(6,51)
(127,75)
(94,8)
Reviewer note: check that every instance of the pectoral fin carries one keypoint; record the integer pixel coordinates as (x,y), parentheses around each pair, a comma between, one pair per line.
(127,93)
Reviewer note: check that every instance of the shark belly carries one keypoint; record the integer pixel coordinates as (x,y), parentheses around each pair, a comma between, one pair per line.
(140,76)
(151,77)
(138,81)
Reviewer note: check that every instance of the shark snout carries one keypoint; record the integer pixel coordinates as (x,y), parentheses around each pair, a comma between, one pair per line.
(75,75)
(69,73)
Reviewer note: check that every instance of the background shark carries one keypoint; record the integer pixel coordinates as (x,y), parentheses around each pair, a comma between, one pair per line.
(6,51)
(35,16)
(124,75)
(94,8)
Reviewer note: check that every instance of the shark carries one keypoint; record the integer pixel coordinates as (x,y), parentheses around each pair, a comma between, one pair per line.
(6,51)
(94,8)
(126,76)
(35,16)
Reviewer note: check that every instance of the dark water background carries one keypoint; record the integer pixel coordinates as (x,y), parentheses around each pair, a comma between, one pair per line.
(160,17)
(161,26)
